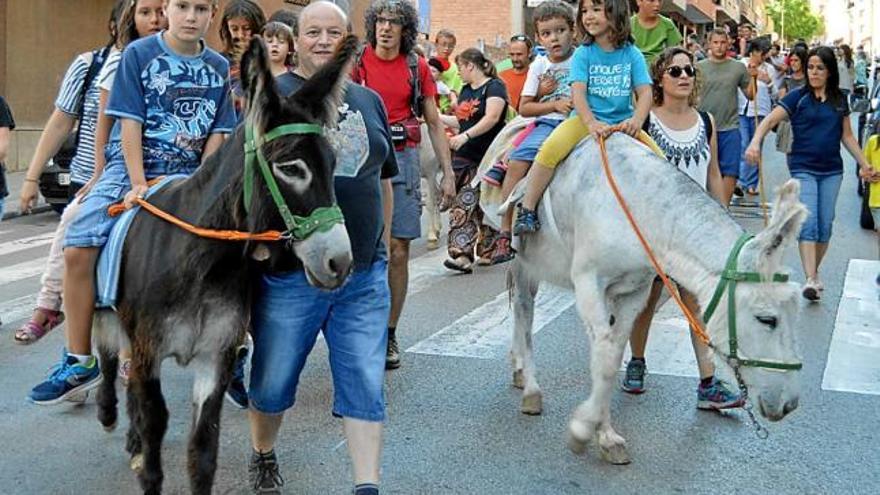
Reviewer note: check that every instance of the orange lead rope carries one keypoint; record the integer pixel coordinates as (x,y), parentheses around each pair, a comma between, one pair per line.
(695,324)
(220,235)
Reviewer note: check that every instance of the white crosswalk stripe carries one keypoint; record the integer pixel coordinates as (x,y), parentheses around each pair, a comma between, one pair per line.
(18,308)
(22,271)
(26,243)
(852,364)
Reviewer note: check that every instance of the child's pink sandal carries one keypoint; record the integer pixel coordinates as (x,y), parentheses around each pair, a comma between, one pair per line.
(32,331)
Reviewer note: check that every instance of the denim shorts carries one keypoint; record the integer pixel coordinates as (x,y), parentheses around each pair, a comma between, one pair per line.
(287,316)
(92,226)
(819,195)
(528,149)
(406,220)
(729,151)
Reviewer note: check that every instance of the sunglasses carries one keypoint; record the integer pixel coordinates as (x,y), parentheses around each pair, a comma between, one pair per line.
(675,71)
(521,37)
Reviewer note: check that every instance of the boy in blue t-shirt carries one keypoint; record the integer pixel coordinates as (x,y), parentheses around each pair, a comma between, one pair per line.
(172,105)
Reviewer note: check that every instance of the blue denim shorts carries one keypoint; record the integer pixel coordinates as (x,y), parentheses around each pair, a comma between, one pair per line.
(528,148)
(287,316)
(92,226)
(406,221)
(729,151)
(819,195)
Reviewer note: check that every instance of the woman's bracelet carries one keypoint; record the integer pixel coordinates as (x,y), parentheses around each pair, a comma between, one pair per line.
(28,179)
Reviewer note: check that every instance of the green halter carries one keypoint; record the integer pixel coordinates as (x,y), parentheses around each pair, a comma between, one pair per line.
(729,278)
(298,228)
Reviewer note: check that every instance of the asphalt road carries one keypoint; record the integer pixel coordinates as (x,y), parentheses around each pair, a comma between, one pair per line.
(454,423)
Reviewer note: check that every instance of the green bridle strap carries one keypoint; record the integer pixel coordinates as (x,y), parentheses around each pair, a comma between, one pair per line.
(729,278)
(321,219)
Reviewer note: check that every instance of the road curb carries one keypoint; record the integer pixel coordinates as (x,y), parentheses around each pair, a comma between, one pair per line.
(9,215)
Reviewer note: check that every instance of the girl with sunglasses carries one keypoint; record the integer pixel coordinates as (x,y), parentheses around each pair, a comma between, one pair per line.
(689,141)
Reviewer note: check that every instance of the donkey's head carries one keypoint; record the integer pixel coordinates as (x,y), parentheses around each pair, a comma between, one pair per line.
(285,134)
(763,338)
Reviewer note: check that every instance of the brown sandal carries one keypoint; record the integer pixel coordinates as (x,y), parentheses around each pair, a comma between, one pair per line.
(32,331)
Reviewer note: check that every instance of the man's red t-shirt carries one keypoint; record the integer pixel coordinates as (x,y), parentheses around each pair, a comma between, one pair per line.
(514,83)
(391,79)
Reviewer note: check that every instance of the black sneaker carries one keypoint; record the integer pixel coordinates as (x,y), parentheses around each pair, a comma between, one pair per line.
(392,354)
(634,380)
(263,473)
(738,191)
(236,393)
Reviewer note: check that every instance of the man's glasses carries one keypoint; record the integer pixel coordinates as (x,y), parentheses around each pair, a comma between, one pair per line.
(394,21)
(675,71)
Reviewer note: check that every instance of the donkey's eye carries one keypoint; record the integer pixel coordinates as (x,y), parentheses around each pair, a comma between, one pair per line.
(294,173)
(770,321)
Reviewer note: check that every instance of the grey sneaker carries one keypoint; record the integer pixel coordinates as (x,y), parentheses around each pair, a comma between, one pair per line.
(392,354)
(263,474)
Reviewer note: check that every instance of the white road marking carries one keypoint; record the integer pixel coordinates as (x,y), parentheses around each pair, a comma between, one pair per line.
(17,309)
(21,271)
(852,364)
(486,332)
(26,243)
(426,270)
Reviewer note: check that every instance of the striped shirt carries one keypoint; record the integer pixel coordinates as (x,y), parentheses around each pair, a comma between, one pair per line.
(83,164)
(108,72)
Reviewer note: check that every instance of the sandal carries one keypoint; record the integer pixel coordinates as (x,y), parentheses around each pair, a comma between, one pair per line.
(32,331)
(459,264)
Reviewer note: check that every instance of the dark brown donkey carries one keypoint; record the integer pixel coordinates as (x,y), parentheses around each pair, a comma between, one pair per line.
(189,297)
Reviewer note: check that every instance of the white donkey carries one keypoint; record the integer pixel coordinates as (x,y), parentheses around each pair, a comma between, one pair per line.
(586,244)
(430,170)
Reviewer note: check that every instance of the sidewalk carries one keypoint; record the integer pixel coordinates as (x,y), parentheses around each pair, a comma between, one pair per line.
(14,180)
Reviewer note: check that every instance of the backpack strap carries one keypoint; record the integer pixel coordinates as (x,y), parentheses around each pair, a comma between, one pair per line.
(98,59)
(415,84)
(360,72)
(707,123)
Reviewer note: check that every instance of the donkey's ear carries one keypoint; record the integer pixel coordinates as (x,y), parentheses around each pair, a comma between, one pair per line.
(258,85)
(323,93)
(788,215)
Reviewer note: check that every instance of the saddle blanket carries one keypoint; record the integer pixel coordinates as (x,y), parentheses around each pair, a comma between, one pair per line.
(110,258)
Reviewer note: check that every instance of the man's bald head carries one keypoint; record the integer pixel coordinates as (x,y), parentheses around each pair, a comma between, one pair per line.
(323,8)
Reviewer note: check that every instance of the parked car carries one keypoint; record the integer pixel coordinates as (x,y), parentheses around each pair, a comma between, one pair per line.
(55,180)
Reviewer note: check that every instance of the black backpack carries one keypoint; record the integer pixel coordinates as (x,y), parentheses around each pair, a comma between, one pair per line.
(412,61)
(68,149)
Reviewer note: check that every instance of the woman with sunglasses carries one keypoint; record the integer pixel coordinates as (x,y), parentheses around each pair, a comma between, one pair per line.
(688,139)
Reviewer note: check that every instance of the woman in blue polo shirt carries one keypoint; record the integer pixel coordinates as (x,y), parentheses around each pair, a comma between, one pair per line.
(819,115)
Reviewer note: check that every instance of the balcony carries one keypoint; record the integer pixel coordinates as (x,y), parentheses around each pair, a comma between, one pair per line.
(700,11)
(727,11)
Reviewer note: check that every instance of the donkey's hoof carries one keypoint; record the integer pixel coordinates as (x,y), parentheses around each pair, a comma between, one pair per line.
(518,380)
(615,454)
(532,404)
(432,244)
(137,463)
(576,445)
(112,426)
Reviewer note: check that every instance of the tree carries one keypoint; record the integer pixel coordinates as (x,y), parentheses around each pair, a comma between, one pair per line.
(799,21)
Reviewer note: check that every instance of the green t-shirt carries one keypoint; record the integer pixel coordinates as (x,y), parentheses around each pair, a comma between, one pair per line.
(719,82)
(451,78)
(652,42)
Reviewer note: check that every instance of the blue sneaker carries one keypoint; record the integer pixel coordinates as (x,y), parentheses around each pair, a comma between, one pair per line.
(717,396)
(236,393)
(634,379)
(67,379)
(526,221)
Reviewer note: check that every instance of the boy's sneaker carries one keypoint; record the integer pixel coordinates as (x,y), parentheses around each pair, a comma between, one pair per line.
(717,396)
(263,473)
(236,393)
(526,221)
(503,252)
(392,354)
(634,379)
(68,378)
(495,175)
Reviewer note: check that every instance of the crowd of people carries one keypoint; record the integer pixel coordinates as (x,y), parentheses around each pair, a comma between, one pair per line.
(706,103)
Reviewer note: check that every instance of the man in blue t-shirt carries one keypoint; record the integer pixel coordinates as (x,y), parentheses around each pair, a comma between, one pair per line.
(288,312)
(172,105)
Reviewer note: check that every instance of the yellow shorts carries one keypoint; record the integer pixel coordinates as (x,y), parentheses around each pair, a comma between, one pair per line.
(567,135)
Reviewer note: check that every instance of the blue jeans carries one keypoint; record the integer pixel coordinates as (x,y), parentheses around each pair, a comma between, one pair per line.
(287,316)
(748,174)
(2,203)
(819,195)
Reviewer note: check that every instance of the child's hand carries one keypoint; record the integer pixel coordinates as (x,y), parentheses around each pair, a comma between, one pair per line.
(563,105)
(599,129)
(546,87)
(457,141)
(137,192)
(630,127)
(869,174)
